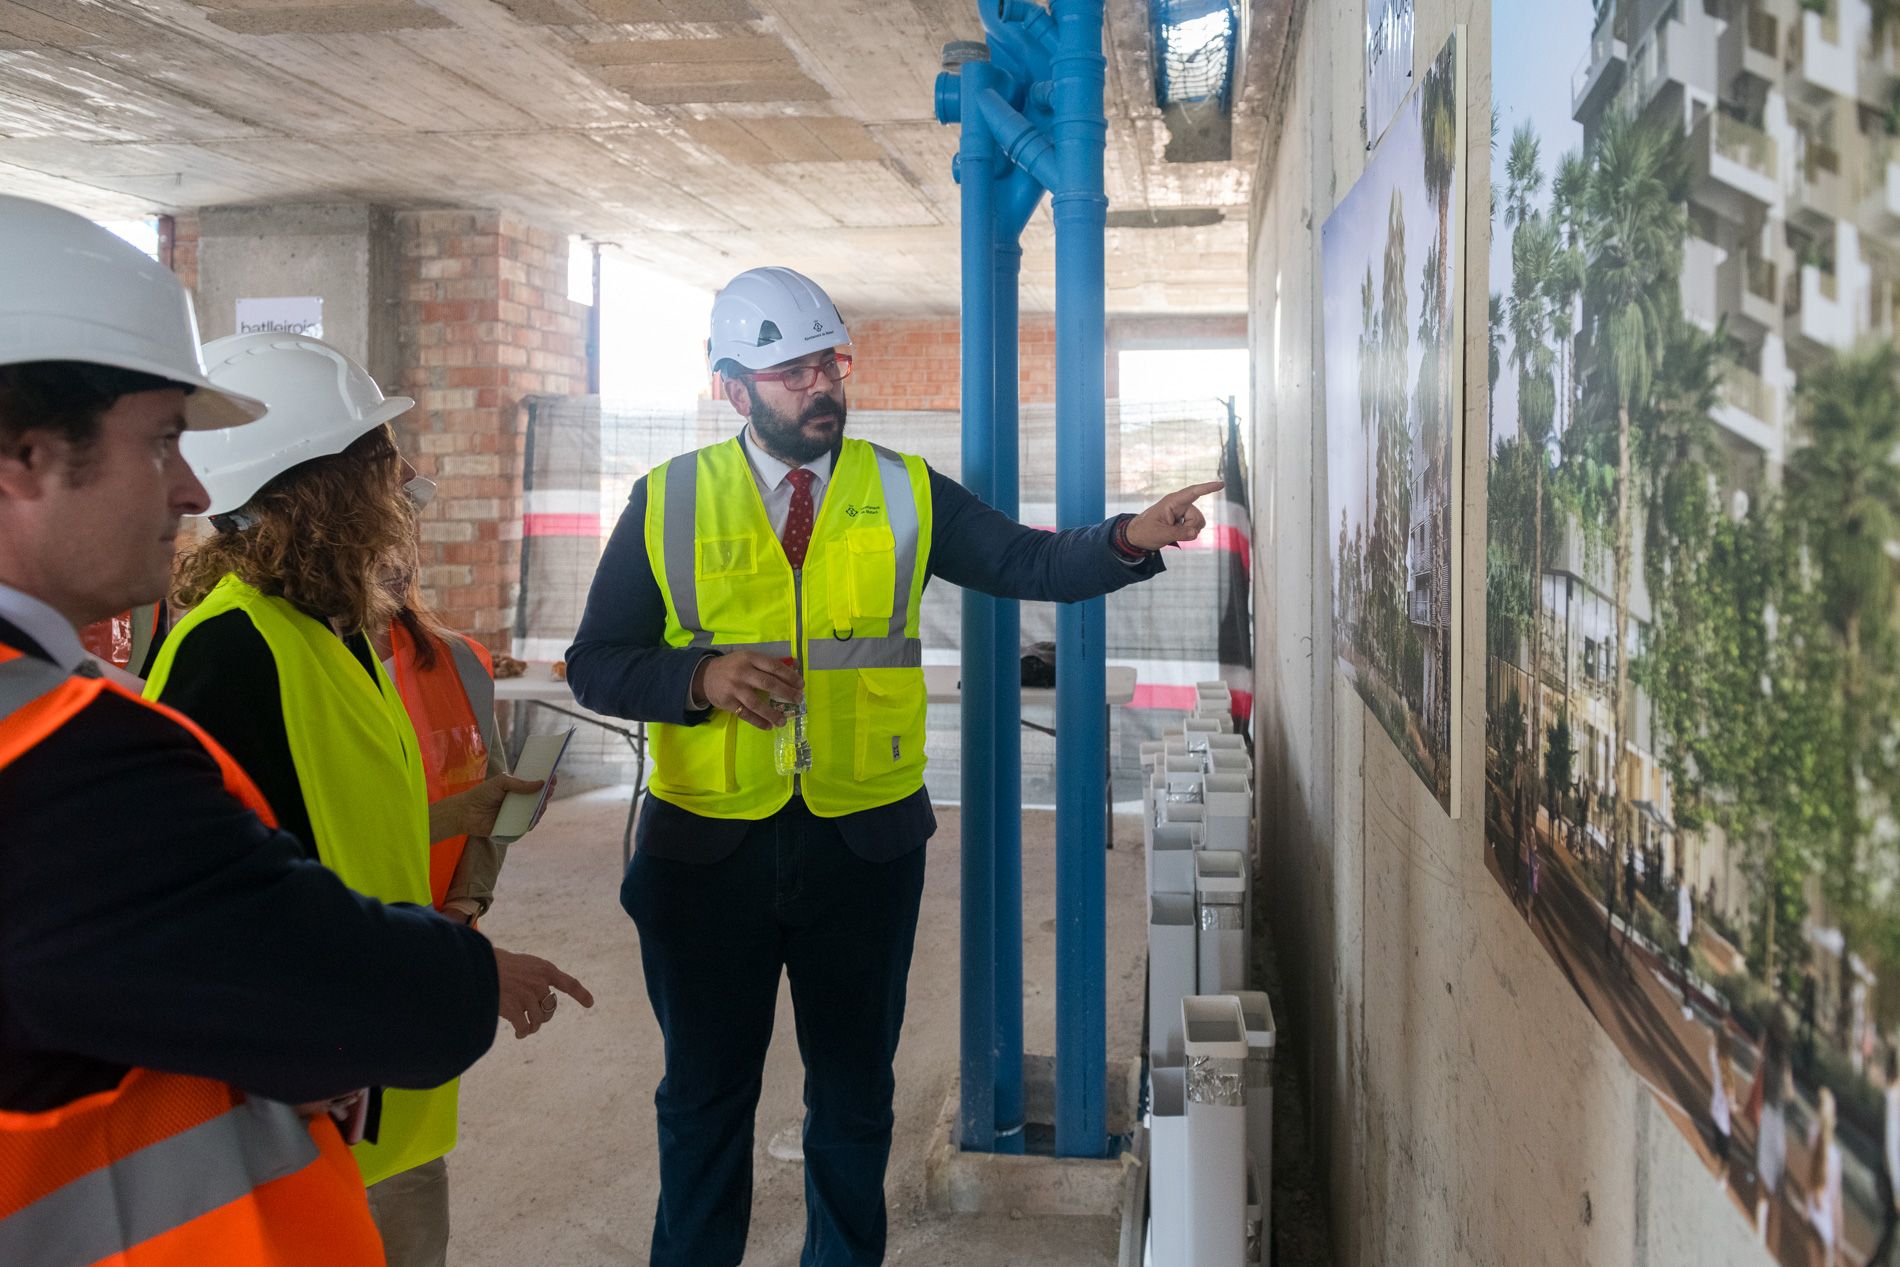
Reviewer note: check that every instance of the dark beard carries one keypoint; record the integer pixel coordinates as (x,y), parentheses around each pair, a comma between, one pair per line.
(786,439)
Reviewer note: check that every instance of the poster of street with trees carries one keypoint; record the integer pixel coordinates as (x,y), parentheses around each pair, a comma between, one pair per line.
(1390,264)
(1692,669)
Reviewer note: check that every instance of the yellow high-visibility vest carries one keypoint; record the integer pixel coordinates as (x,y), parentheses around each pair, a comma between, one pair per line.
(850,617)
(360,769)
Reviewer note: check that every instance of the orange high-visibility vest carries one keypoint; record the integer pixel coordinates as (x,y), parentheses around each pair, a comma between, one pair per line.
(452,706)
(167,1170)
(126,639)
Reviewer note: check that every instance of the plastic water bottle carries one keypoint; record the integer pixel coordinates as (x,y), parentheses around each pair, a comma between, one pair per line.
(791,745)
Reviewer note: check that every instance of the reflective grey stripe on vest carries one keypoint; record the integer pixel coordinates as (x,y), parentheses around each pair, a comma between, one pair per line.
(679,533)
(865,653)
(160,1187)
(777,650)
(479,687)
(900,512)
(24,679)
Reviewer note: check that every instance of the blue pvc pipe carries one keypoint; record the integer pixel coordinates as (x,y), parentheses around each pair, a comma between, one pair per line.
(1008,777)
(1080,132)
(977,160)
(1025,31)
(1031,119)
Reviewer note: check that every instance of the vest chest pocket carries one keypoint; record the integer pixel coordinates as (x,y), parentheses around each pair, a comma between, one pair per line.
(889,722)
(715,557)
(737,593)
(863,579)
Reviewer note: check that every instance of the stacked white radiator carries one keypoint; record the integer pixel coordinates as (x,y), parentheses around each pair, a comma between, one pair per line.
(1210,1038)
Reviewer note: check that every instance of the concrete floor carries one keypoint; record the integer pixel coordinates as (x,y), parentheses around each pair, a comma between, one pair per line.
(556,1164)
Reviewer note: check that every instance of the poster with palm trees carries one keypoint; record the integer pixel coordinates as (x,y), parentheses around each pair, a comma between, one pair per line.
(1692,658)
(1391,269)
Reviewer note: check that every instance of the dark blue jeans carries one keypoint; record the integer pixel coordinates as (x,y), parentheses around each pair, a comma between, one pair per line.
(713,937)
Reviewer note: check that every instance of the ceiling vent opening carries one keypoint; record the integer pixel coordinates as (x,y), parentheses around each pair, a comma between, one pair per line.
(1197,51)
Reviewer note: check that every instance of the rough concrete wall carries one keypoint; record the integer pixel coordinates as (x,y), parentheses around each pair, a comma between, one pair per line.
(343,253)
(485,322)
(1467,1107)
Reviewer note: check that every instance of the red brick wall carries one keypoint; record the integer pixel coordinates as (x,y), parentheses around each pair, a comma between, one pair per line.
(915,362)
(485,322)
(184,261)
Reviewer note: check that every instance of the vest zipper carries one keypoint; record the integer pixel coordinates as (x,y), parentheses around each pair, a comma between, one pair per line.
(798,645)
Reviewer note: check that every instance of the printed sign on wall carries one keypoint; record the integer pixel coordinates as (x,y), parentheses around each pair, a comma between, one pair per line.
(1388,62)
(301,314)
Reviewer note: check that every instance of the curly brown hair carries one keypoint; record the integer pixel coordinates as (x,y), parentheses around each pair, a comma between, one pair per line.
(329,535)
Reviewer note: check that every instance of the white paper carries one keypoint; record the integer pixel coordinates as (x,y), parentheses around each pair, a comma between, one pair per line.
(300,314)
(540,757)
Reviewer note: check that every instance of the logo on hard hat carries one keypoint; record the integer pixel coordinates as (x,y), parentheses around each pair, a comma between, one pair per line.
(817,327)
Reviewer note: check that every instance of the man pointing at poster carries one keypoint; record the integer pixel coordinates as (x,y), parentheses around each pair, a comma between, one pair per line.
(781,574)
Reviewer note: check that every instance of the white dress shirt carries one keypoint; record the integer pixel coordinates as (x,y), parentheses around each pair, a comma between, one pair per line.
(54,633)
(769,473)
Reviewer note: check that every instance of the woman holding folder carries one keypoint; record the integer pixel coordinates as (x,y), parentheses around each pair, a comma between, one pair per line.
(314,537)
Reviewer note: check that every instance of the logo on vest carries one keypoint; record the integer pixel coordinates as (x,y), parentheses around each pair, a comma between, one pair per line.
(855,510)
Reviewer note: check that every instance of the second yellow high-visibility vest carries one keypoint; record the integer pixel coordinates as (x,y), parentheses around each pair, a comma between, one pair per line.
(850,617)
(362,779)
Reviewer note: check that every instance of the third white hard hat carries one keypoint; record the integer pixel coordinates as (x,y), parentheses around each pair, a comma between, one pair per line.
(73,291)
(768,316)
(320,402)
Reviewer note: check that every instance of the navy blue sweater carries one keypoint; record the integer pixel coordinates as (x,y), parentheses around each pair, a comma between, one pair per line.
(147,918)
(620,665)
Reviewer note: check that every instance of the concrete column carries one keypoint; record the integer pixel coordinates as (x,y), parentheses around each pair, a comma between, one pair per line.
(345,254)
(466,311)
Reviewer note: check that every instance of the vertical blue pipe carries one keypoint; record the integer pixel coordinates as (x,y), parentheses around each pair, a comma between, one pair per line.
(976,168)
(1081,208)
(1009,706)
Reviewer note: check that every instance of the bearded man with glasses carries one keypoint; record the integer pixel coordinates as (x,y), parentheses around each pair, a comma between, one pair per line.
(780,574)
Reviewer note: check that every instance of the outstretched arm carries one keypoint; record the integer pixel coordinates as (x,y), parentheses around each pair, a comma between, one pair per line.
(980,548)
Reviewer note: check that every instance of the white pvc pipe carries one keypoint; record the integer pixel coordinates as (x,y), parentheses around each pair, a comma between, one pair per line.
(1229,761)
(1256,1218)
(1167,1165)
(1256,1013)
(1184,775)
(1216,1043)
(1220,895)
(1171,973)
(1227,801)
(1171,858)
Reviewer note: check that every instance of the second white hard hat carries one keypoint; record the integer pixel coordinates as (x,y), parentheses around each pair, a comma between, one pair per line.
(320,402)
(768,316)
(73,291)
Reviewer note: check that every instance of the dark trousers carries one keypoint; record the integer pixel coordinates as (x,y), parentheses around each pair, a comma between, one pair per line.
(713,938)
(1889,1218)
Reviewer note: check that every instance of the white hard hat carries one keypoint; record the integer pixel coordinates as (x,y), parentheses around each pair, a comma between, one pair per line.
(321,402)
(768,316)
(73,291)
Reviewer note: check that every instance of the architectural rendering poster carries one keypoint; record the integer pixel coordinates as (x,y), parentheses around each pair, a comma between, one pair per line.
(1692,692)
(1391,268)
(1389,26)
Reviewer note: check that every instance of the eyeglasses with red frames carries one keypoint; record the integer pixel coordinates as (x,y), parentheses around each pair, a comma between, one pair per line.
(800,377)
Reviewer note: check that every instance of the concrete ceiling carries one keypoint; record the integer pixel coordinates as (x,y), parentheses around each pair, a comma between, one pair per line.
(698,136)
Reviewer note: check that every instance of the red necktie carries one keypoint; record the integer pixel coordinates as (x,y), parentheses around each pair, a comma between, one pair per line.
(798,522)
